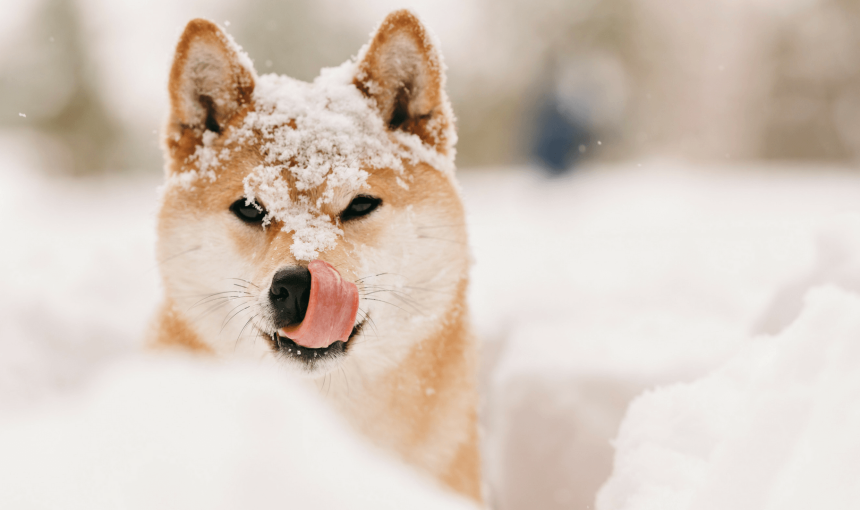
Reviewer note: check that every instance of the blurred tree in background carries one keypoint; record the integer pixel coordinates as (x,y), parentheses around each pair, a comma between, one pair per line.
(815,99)
(712,80)
(50,78)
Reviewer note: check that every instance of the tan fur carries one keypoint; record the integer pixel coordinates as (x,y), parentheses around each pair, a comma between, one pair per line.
(172,331)
(408,382)
(433,391)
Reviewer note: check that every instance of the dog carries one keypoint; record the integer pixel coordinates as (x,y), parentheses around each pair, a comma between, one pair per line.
(320,225)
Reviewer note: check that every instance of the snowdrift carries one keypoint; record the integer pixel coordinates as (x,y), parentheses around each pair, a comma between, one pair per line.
(777,427)
(592,289)
(183,434)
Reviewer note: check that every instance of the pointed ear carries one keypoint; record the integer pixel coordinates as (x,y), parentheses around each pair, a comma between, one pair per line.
(211,79)
(402,71)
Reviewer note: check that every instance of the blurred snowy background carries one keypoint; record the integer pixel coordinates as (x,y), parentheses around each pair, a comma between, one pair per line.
(664,204)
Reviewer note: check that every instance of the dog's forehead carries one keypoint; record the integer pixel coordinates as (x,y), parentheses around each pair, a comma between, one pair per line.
(311,135)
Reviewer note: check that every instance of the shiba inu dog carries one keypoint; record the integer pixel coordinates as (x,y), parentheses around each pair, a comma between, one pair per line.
(320,225)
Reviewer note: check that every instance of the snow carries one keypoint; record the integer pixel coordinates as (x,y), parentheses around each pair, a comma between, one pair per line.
(78,274)
(689,283)
(336,131)
(207,158)
(776,427)
(325,134)
(177,433)
(591,289)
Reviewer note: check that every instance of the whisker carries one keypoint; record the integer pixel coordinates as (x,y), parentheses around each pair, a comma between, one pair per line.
(209,310)
(216,296)
(168,259)
(234,315)
(372,324)
(374,292)
(221,301)
(216,299)
(213,293)
(402,296)
(373,276)
(405,302)
(243,330)
(391,304)
(361,337)
(442,226)
(424,289)
(442,239)
(394,293)
(345,378)
(241,280)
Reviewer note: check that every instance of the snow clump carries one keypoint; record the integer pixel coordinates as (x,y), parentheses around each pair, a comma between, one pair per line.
(324,133)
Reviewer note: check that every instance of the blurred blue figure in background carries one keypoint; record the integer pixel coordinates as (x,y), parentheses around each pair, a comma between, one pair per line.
(582,98)
(560,136)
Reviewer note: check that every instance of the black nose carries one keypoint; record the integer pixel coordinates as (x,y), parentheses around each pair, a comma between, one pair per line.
(290,292)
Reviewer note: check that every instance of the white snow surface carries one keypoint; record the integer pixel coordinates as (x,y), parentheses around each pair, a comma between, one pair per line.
(183,434)
(776,427)
(587,291)
(591,289)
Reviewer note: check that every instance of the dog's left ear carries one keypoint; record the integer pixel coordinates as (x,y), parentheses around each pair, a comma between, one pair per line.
(402,71)
(210,81)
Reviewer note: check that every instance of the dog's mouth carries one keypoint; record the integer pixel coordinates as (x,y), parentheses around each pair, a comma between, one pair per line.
(312,356)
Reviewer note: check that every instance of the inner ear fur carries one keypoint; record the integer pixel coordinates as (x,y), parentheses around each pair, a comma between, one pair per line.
(402,71)
(210,81)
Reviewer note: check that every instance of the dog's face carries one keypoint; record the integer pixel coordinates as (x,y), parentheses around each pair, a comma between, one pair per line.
(267,176)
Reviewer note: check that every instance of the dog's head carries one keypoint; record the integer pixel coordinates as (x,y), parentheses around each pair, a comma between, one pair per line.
(317,221)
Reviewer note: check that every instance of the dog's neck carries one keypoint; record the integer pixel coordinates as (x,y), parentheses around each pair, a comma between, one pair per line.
(414,408)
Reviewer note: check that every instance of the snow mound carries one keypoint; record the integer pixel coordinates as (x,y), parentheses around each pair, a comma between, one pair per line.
(837,262)
(591,289)
(181,434)
(777,427)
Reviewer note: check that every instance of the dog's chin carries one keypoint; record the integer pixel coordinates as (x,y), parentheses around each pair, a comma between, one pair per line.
(313,362)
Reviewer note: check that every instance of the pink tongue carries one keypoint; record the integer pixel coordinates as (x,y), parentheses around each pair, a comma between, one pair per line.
(331,309)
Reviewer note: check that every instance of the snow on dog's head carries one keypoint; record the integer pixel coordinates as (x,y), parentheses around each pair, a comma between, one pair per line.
(316,139)
(267,172)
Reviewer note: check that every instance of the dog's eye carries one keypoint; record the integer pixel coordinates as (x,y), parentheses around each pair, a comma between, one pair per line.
(247,212)
(361,205)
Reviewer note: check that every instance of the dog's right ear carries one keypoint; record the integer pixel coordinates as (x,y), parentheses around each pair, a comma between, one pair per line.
(210,81)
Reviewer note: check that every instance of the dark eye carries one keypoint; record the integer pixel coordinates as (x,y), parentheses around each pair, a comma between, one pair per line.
(247,212)
(361,205)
